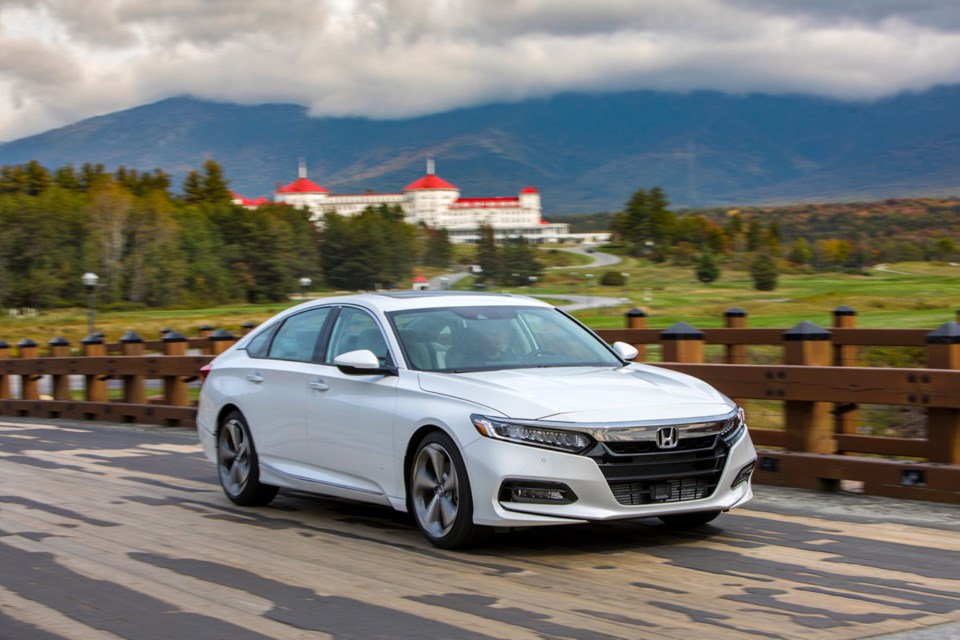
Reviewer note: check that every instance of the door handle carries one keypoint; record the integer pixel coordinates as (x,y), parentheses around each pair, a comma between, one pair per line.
(318,385)
(255,377)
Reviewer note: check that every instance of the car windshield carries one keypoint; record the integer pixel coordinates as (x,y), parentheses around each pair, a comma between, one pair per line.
(459,339)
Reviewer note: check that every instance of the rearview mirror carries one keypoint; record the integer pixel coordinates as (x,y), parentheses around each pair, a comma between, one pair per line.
(625,351)
(359,362)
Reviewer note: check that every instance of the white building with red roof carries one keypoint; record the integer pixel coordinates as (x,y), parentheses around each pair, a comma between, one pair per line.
(433,201)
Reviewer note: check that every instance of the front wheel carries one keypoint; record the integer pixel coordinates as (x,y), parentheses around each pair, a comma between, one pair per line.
(237,464)
(439,495)
(693,519)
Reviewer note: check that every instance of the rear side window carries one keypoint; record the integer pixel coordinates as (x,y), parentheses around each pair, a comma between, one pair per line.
(257,348)
(297,337)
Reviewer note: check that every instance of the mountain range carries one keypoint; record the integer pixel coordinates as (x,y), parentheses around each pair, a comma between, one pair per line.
(584,152)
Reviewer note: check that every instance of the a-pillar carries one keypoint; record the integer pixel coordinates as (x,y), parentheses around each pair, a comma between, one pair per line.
(175,389)
(682,343)
(29,383)
(133,390)
(637,319)
(96,386)
(943,425)
(809,425)
(735,318)
(60,348)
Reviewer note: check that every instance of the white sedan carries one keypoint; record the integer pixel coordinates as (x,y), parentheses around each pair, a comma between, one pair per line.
(473,412)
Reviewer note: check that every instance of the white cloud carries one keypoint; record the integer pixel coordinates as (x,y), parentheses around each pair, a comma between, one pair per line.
(63,60)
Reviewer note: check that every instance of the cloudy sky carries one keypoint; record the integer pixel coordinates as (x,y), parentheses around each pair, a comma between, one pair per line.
(64,60)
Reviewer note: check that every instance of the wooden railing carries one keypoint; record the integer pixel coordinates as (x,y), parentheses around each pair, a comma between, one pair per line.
(132,380)
(819,391)
(814,387)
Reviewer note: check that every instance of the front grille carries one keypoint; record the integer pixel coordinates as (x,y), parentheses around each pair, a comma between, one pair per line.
(639,473)
(634,493)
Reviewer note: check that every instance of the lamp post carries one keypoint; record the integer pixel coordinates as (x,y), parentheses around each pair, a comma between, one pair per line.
(588,284)
(444,283)
(532,280)
(304,285)
(90,280)
(625,276)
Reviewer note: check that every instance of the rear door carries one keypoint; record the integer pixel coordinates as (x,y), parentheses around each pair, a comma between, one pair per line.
(277,379)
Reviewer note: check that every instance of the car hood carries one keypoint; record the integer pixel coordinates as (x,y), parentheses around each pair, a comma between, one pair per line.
(583,394)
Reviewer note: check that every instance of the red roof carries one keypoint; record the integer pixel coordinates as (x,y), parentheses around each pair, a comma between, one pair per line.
(429,181)
(420,278)
(529,190)
(302,185)
(479,203)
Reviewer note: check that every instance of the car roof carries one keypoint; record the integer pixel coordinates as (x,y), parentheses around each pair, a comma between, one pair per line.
(401,300)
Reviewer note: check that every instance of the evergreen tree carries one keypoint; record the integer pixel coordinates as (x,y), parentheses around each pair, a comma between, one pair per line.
(764,272)
(487,256)
(438,251)
(707,270)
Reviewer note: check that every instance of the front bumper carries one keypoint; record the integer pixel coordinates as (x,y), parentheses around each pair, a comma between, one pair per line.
(490,463)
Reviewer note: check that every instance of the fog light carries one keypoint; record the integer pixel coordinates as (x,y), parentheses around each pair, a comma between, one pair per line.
(536,492)
(743,475)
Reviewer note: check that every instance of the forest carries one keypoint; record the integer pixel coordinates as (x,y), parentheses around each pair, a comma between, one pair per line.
(152,247)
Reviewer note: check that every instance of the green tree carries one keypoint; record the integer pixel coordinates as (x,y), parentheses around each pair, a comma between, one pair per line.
(764,272)
(487,257)
(438,251)
(708,270)
(518,262)
(800,252)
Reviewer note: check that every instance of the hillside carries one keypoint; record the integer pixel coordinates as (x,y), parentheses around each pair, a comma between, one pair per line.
(585,152)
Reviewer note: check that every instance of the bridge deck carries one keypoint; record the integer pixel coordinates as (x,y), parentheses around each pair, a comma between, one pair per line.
(121,531)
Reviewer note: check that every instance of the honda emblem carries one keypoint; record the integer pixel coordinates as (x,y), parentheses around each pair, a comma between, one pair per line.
(668,437)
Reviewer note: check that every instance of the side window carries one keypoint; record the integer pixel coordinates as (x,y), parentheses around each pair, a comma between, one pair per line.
(257,348)
(355,329)
(297,338)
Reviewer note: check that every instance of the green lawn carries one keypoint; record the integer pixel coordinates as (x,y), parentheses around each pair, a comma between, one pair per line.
(918,295)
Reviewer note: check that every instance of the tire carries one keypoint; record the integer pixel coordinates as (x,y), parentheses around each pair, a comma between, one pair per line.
(237,463)
(693,519)
(438,493)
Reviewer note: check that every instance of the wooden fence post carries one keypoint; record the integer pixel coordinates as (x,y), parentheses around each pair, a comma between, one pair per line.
(204,331)
(943,425)
(735,318)
(846,355)
(60,348)
(221,339)
(4,380)
(809,427)
(175,389)
(96,386)
(637,319)
(133,391)
(682,343)
(29,383)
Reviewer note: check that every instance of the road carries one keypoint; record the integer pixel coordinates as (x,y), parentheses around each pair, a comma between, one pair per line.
(574,302)
(111,531)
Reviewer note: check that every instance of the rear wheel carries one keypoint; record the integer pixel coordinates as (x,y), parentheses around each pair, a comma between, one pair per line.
(237,464)
(439,495)
(694,519)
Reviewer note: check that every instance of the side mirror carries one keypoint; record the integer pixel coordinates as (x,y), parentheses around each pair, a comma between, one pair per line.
(360,362)
(626,351)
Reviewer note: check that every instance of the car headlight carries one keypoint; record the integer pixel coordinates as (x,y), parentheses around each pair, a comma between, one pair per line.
(531,434)
(734,427)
